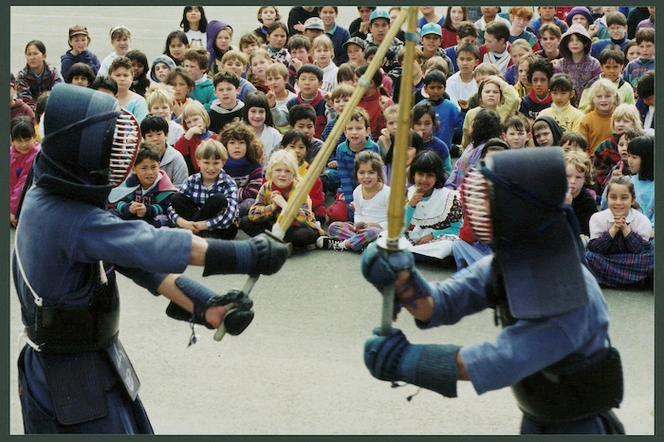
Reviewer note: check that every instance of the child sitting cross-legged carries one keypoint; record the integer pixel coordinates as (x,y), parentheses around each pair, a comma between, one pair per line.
(146,193)
(282,179)
(207,202)
(370,199)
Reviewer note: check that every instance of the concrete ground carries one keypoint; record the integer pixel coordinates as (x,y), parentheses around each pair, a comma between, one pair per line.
(298,368)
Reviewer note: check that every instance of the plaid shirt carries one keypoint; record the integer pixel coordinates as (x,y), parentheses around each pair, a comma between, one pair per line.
(193,188)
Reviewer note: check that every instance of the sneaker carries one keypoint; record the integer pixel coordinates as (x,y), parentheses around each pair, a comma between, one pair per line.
(325,242)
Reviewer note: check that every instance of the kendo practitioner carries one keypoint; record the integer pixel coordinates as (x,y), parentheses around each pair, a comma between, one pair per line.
(74,375)
(554,349)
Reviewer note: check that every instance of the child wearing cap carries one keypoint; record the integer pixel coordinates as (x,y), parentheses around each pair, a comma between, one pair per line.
(354,48)
(78,41)
(121,42)
(313,27)
(379,25)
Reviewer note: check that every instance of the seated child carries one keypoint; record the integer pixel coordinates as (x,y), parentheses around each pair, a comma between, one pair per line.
(282,178)
(147,191)
(227,107)
(160,100)
(433,212)
(24,148)
(619,253)
(206,203)
(579,178)
(386,139)
(561,109)
(370,199)
(154,130)
(339,98)
(299,143)
(245,154)
(236,62)
(546,132)
(309,79)
(196,62)
(358,138)
(277,80)
(195,122)
(80,74)
(516,131)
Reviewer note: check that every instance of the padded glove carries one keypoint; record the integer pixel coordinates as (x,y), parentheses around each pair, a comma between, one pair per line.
(393,358)
(380,267)
(264,254)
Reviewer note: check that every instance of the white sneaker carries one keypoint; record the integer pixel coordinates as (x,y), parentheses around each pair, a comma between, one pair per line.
(325,242)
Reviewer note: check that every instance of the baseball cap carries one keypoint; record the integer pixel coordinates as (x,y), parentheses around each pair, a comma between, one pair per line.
(78,30)
(314,23)
(355,41)
(379,13)
(431,28)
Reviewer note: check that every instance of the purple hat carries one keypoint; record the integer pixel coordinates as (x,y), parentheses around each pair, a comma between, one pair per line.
(579,10)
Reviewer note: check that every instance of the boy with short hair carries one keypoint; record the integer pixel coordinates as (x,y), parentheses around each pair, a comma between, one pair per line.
(496,47)
(121,42)
(226,107)
(516,131)
(461,85)
(298,47)
(147,191)
(276,76)
(355,48)
(645,40)
(155,130)
(78,41)
(236,62)
(520,16)
(547,15)
(339,98)
(386,139)
(196,63)
(612,62)
(466,34)
(646,102)
(303,117)
(549,38)
(539,98)
(616,26)
(449,115)
(249,42)
(160,100)
(357,133)
(309,79)
(207,202)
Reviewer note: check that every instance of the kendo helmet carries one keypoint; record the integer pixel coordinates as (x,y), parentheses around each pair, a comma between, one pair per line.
(514,201)
(89,144)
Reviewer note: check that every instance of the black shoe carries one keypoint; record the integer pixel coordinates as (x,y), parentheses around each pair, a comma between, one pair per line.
(325,242)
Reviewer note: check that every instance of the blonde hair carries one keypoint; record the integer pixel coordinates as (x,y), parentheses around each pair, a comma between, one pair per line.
(233,55)
(275,69)
(211,148)
(342,90)
(258,53)
(436,62)
(391,110)
(581,162)
(324,41)
(485,68)
(605,85)
(629,112)
(286,157)
(521,43)
(159,93)
(194,108)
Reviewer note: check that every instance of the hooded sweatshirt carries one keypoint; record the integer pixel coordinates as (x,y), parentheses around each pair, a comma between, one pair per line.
(585,70)
(168,61)
(556,130)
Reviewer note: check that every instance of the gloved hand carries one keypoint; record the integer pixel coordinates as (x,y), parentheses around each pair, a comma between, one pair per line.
(262,254)
(271,254)
(380,267)
(382,354)
(393,358)
(203,298)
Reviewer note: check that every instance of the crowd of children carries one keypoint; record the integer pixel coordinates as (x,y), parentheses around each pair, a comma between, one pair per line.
(229,130)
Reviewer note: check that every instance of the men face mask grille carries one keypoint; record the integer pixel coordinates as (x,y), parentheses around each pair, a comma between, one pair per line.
(475,196)
(126,140)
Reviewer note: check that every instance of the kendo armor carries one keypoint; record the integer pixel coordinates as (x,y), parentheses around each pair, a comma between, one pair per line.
(532,183)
